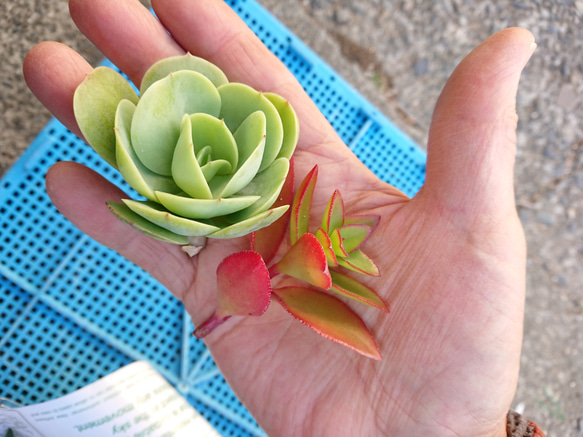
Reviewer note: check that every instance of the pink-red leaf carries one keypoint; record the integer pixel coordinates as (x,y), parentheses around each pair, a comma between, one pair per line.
(243,288)
(333,214)
(360,262)
(324,240)
(300,210)
(329,317)
(305,260)
(353,289)
(266,241)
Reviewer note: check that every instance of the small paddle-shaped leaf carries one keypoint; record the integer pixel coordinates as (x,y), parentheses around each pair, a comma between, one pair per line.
(353,289)
(300,211)
(329,317)
(305,260)
(333,214)
(243,289)
(266,241)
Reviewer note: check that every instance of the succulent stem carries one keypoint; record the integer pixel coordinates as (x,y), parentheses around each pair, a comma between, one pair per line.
(208,325)
(194,246)
(273,271)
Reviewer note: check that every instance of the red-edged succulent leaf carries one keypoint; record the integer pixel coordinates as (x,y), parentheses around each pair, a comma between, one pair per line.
(305,260)
(353,289)
(329,317)
(348,238)
(336,242)
(369,220)
(324,240)
(300,210)
(266,241)
(243,289)
(333,214)
(360,262)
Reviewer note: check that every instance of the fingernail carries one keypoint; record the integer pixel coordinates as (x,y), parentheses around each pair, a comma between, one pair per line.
(531,51)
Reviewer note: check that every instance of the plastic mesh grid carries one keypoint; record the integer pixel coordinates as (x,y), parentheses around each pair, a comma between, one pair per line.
(72,311)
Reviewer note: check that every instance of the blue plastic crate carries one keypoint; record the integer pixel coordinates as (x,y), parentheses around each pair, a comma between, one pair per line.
(72,311)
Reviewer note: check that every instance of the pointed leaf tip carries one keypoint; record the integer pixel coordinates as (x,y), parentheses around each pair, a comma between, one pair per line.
(369,220)
(353,289)
(333,214)
(305,260)
(329,317)
(346,239)
(360,262)
(300,211)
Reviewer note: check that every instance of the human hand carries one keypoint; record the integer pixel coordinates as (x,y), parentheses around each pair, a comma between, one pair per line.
(452,258)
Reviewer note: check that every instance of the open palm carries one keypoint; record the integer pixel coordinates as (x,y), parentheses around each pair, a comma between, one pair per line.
(452,258)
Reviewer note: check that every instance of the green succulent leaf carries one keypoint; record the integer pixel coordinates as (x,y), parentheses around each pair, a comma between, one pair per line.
(186,170)
(208,130)
(154,213)
(359,262)
(267,184)
(203,208)
(156,124)
(166,66)
(238,102)
(329,317)
(300,213)
(132,170)
(199,148)
(349,287)
(250,140)
(95,104)
(136,221)
(333,214)
(290,123)
(251,224)
(249,136)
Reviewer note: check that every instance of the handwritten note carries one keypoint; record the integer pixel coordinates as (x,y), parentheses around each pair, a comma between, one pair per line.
(134,401)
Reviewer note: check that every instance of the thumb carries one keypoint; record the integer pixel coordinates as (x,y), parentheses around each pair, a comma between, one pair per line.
(472,139)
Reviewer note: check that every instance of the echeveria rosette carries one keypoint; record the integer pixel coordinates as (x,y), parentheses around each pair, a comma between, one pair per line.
(210,156)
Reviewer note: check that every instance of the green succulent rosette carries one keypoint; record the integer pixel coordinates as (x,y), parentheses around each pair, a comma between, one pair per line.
(209,155)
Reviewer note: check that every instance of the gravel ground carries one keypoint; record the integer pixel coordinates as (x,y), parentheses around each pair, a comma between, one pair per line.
(399,54)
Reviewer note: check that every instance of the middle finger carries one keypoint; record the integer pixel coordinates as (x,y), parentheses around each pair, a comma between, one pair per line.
(125,32)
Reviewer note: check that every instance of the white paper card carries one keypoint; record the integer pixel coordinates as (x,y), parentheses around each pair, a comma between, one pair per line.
(134,401)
